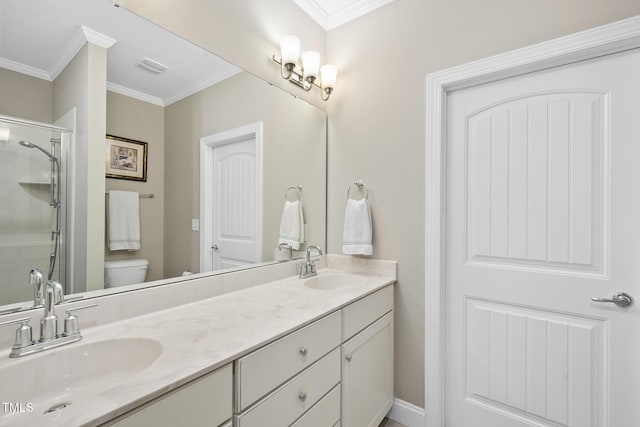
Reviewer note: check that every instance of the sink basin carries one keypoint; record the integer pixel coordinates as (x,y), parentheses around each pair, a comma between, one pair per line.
(334,281)
(56,377)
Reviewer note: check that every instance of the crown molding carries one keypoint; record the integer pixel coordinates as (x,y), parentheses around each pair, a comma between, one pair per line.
(204,84)
(99,39)
(82,36)
(131,93)
(24,69)
(329,21)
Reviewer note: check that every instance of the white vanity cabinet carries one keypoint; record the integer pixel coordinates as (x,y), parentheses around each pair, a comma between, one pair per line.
(367,360)
(206,401)
(337,371)
(278,383)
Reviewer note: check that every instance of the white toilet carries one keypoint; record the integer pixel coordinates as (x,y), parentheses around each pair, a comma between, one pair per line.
(126,272)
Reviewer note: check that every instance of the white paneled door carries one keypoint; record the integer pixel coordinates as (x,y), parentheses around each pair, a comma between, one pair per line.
(234,205)
(231,198)
(542,214)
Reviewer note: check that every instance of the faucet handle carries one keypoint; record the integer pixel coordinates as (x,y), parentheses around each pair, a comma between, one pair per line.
(71,321)
(58,291)
(23,333)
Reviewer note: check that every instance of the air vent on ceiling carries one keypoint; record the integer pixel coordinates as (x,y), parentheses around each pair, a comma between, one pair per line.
(152,66)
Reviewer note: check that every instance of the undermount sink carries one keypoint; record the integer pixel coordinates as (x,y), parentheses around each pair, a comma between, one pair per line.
(334,281)
(52,379)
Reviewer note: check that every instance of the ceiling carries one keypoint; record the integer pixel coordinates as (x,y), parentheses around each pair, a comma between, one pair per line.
(39,38)
(333,13)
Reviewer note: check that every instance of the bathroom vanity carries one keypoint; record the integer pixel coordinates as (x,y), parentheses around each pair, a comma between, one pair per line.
(303,352)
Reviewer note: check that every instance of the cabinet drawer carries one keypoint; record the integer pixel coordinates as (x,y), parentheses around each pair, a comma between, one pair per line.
(285,405)
(265,369)
(203,402)
(360,314)
(325,413)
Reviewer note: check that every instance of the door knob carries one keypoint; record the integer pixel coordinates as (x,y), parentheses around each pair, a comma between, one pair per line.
(214,247)
(620,299)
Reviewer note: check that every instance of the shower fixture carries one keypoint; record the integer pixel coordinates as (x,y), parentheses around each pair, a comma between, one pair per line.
(55,167)
(54,202)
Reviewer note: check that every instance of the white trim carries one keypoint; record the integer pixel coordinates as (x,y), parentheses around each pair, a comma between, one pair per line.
(207,143)
(24,69)
(82,36)
(145,97)
(99,39)
(330,21)
(406,413)
(210,81)
(611,38)
(132,93)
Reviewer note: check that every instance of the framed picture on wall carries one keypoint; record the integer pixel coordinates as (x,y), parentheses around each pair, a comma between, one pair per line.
(126,159)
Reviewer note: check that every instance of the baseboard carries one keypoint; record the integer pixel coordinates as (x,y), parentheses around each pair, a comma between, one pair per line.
(406,413)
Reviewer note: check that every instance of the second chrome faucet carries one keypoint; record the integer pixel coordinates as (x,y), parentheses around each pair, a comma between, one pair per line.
(308,268)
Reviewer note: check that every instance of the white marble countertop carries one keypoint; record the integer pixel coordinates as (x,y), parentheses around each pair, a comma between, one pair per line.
(197,338)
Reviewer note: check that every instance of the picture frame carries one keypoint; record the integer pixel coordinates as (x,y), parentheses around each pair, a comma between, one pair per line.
(125,158)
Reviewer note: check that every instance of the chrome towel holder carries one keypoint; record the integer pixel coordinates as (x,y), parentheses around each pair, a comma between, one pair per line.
(298,190)
(361,187)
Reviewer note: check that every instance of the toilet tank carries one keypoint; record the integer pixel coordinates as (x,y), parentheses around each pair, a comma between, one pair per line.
(125,272)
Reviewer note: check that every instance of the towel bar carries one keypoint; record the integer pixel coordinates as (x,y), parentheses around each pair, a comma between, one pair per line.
(142,195)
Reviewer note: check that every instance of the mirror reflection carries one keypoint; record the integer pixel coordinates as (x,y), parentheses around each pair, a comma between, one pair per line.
(130,155)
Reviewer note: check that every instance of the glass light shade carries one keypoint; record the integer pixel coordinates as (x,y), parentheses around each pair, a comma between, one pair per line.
(311,63)
(290,49)
(328,73)
(4,134)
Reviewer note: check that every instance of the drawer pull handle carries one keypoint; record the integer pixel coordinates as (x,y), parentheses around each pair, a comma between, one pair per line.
(302,396)
(347,357)
(303,351)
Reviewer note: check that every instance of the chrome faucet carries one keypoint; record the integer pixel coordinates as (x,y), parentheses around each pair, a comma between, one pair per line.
(49,337)
(53,295)
(37,281)
(308,268)
(288,246)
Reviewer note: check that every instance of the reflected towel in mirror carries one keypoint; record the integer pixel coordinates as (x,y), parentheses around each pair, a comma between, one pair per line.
(123,221)
(292,224)
(358,229)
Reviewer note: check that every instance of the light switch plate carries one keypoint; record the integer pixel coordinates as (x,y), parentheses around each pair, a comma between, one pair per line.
(195,225)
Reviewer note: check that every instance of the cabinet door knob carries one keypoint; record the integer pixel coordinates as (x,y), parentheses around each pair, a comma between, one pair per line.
(347,357)
(302,396)
(303,351)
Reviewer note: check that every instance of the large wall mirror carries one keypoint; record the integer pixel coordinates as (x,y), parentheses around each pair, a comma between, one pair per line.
(214,154)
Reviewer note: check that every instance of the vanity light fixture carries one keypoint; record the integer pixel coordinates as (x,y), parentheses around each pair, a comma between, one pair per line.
(305,75)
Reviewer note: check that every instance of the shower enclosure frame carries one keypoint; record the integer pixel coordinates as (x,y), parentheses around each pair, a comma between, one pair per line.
(62,192)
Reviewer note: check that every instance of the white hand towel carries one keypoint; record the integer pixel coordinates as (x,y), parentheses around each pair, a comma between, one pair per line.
(123,221)
(292,224)
(358,231)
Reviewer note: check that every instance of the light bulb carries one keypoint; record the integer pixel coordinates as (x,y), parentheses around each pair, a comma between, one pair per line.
(328,73)
(289,49)
(311,65)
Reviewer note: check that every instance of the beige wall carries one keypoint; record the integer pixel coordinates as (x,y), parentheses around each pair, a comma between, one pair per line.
(379,108)
(25,96)
(83,85)
(141,121)
(294,135)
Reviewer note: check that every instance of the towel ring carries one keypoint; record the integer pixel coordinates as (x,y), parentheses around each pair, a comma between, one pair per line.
(360,184)
(298,190)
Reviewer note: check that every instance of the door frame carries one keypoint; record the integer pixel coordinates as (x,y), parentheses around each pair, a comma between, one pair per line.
(607,39)
(207,144)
